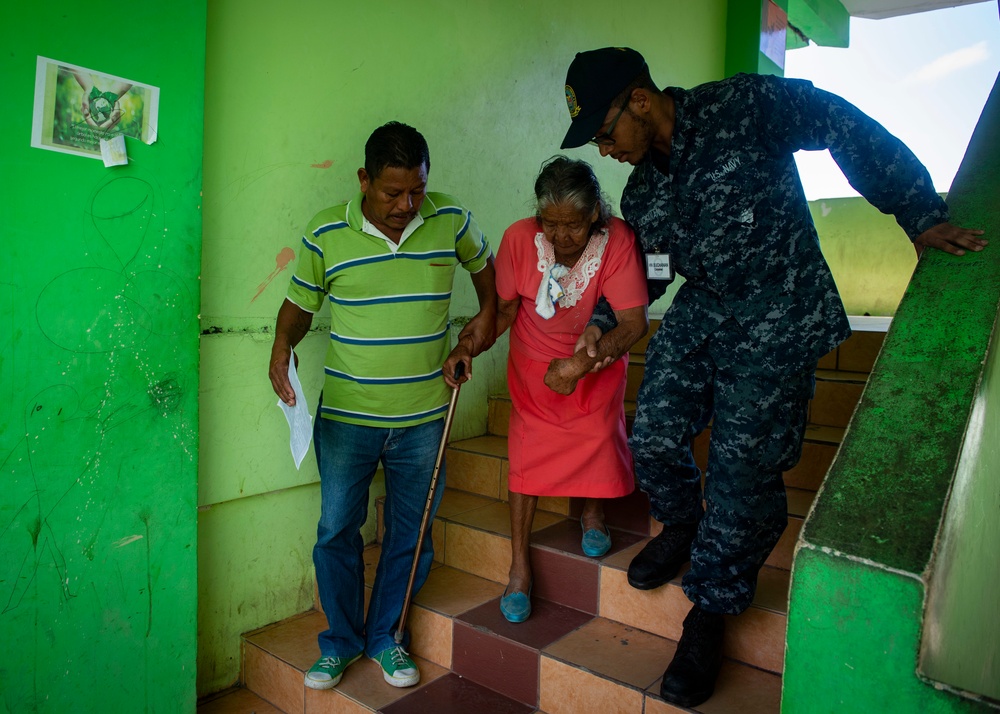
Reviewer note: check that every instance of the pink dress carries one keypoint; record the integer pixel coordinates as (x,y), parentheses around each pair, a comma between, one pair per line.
(571,445)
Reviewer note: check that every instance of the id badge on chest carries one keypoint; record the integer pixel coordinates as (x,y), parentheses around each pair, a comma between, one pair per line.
(659,267)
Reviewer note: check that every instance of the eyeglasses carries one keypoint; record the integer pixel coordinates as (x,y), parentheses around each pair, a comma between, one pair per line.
(605,138)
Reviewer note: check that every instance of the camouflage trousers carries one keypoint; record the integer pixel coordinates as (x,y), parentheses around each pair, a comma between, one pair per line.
(758,421)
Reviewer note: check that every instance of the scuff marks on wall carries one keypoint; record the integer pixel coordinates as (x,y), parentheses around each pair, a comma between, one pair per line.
(281,261)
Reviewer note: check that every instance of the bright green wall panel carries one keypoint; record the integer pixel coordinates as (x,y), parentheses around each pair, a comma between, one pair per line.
(99,376)
(852,641)
(869,254)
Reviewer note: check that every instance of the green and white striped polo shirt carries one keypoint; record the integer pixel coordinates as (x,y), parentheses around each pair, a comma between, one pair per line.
(389,328)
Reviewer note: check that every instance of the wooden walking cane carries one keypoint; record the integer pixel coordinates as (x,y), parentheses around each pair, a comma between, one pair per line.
(459,368)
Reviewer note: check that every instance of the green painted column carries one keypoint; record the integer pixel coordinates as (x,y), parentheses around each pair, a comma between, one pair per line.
(755,36)
(99,302)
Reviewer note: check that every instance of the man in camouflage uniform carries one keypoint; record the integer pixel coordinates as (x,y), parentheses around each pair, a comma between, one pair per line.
(715,187)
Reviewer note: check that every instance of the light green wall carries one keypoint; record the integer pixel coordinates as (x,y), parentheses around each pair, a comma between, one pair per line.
(869,254)
(293,91)
(99,375)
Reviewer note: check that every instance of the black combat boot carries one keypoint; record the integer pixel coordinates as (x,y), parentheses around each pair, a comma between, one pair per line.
(662,557)
(690,676)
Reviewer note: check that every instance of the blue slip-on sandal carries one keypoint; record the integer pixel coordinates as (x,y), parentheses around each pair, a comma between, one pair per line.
(516,607)
(595,543)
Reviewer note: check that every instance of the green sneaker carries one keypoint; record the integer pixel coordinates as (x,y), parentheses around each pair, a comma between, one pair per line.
(397,667)
(327,671)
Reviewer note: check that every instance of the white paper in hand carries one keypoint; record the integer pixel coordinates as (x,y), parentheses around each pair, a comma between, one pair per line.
(299,418)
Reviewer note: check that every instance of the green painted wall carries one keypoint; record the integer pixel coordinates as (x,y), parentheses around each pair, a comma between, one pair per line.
(293,90)
(911,461)
(960,642)
(744,19)
(99,375)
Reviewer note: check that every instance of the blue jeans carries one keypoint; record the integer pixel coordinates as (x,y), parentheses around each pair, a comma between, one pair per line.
(348,456)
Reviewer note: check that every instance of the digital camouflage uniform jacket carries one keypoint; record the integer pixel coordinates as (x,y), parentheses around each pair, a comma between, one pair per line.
(731,212)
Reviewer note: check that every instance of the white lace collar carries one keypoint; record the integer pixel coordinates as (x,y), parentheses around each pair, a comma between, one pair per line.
(574,283)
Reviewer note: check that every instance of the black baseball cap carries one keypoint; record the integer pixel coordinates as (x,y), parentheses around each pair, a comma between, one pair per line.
(594,79)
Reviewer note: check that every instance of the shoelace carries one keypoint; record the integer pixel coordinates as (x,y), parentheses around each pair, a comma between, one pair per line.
(398,655)
(328,662)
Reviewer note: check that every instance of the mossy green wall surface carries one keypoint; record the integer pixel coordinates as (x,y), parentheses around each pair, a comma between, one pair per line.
(854,630)
(292,92)
(960,643)
(99,375)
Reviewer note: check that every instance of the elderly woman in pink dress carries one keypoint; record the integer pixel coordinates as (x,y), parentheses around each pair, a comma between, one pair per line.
(567,425)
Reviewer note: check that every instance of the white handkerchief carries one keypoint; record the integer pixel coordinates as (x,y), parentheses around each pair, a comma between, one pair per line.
(299,418)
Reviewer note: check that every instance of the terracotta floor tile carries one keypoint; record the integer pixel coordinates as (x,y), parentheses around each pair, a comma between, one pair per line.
(452,694)
(499,663)
(491,445)
(630,513)
(430,634)
(293,640)
(477,552)
(473,472)
(495,518)
(273,679)
(330,701)
(743,689)
(772,582)
(237,701)
(799,501)
(549,622)
(450,591)
(568,690)
(660,611)
(566,579)
(811,469)
(621,559)
(372,554)
(784,551)
(454,502)
(757,637)
(498,416)
(739,688)
(830,435)
(858,352)
(834,402)
(655,705)
(364,684)
(439,536)
(615,651)
(566,534)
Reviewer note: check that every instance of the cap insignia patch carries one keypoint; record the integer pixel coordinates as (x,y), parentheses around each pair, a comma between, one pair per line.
(574,108)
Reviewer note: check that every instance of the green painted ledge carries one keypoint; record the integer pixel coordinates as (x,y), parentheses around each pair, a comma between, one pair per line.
(865,556)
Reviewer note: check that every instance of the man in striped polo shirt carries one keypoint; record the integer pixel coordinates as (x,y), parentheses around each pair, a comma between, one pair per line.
(385,261)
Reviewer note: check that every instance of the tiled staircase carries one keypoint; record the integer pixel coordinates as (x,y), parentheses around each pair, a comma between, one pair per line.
(593,643)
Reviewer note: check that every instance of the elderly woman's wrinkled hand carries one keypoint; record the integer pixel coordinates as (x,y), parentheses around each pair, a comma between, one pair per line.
(562,375)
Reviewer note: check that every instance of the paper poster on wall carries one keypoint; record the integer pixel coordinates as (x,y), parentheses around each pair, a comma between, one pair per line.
(76,107)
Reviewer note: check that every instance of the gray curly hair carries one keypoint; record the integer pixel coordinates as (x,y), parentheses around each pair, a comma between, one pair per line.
(567,181)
